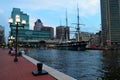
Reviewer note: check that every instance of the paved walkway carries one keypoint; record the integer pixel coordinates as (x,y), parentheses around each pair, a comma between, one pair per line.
(21,70)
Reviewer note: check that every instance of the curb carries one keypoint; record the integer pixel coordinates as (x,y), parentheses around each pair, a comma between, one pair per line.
(55,73)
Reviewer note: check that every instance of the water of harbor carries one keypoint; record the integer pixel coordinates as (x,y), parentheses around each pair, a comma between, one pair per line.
(82,65)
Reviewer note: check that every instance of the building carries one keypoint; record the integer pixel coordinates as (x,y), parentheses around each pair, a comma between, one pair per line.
(24,33)
(2,34)
(32,35)
(23,16)
(38,25)
(26,36)
(62,33)
(85,36)
(51,31)
(110,19)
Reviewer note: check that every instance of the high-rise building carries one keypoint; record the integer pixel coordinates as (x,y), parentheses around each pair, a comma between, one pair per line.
(51,31)
(23,16)
(38,25)
(110,19)
(62,33)
(29,37)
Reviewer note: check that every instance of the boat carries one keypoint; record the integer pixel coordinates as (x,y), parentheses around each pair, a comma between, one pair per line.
(73,45)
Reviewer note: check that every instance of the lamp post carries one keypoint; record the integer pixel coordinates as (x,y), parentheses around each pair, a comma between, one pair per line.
(17,24)
(11,38)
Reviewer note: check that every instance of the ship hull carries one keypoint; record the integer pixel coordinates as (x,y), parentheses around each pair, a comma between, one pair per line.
(79,46)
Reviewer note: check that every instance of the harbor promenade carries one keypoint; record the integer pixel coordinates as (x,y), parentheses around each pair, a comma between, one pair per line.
(21,70)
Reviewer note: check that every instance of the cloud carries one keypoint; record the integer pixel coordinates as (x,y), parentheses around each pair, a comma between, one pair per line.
(86,6)
(90,7)
(32,20)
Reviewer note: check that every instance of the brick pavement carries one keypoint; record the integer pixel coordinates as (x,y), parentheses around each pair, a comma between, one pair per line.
(21,70)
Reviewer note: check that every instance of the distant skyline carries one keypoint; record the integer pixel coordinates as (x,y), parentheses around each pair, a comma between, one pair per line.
(53,13)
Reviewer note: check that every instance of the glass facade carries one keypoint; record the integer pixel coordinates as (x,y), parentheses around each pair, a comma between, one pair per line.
(23,16)
(23,32)
(31,34)
(110,18)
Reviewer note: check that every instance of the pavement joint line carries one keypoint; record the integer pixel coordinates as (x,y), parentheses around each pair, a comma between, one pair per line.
(55,73)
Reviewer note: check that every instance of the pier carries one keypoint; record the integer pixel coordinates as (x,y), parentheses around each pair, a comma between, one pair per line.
(21,70)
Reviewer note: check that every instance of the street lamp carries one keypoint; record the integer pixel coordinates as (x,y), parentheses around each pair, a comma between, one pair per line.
(17,24)
(11,38)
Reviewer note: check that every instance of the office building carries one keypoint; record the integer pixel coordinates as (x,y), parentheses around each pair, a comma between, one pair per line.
(38,25)
(110,21)
(62,33)
(2,34)
(29,36)
(24,33)
(51,31)
(23,16)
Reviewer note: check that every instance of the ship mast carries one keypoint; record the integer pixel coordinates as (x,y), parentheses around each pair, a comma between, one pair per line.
(66,31)
(78,27)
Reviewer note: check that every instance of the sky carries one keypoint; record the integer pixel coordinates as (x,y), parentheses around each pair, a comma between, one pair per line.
(53,13)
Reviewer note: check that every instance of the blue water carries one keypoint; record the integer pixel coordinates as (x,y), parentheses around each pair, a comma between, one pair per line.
(82,65)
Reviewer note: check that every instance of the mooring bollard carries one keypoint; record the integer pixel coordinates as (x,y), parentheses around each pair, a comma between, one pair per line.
(39,70)
(39,67)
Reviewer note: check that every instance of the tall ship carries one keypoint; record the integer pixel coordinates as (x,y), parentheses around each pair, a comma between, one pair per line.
(73,45)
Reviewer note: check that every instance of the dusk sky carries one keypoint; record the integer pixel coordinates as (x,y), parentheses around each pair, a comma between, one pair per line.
(52,13)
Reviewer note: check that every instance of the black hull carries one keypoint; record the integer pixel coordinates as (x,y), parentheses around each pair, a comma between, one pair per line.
(78,46)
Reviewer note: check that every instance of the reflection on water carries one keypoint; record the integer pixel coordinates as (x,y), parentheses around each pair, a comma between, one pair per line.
(111,65)
(82,65)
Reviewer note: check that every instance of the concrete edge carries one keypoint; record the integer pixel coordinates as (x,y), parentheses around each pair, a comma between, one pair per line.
(55,73)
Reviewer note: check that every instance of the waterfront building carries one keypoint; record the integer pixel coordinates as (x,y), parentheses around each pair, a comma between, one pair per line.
(51,31)
(2,34)
(23,16)
(91,38)
(95,40)
(59,32)
(110,19)
(86,36)
(27,36)
(98,39)
(83,36)
(32,35)
(62,33)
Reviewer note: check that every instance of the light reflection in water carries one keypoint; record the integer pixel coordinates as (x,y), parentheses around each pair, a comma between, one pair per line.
(82,65)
